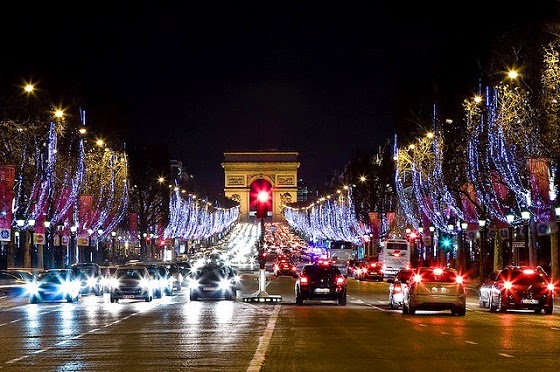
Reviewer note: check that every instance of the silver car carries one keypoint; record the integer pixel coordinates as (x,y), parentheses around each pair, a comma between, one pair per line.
(434,288)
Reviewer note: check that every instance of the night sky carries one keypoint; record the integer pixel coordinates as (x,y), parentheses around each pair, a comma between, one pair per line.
(325,79)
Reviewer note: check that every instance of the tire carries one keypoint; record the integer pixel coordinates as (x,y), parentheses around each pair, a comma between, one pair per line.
(342,300)
(548,310)
(194,296)
(299,299)
(462,311)
(404,308)
(491,306)
(33,300)
(391,303)
(70,299)
(500,307)
(113,300)
(411,310)
(537,311)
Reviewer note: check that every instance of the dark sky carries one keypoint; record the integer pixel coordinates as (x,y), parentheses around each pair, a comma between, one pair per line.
(324,78)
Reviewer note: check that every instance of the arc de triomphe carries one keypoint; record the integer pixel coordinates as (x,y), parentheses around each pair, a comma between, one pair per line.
(246,170)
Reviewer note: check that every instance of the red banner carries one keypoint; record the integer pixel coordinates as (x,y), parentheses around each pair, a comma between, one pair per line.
(375,223)
(391,220)
(133,225)
(7,176)
(85,210)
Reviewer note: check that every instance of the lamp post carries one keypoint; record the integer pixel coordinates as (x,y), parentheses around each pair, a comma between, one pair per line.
(97,254)
(59,256)
(90,250)
(451,244)
(555,251)
(526,216)
(33,262)
(430,257)
(113,237)
(482,262)
(20,250)
(464,262)
(420,247)
(72,254)
(48,264)
(512,258)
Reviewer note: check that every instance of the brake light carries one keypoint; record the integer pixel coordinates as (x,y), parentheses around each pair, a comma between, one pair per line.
(303,280)
(459,279)
(508,285)
(417,278)
(397,288)
(373,264)
(438,271)
(340,280)
(550,286)
(528,271)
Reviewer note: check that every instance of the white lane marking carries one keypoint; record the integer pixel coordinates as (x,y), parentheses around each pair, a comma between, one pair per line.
(422,325)
(472,342)
(258,358)
(555,329)
(505,355)
(444,333)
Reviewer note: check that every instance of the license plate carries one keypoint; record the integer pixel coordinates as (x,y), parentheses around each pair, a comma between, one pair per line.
(529,301)
(209,288)
(128,296)
(322,290)
(48,293)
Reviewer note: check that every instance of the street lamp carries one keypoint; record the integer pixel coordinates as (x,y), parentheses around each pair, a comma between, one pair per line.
(432,245)
(32,253)
(48,244)
(59,256)
(482,267)
(113,236)
(72,255)
(97,255)
(90,251)
(526,216)
(464,255)
(20,254)
(513,257)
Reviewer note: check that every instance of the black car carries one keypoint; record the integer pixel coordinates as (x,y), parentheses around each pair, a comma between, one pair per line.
(369,269)
(518,288)
(54,285)
(90,276)
(321,281)
(213,280)
(12,285)
(284,267)
(132,282)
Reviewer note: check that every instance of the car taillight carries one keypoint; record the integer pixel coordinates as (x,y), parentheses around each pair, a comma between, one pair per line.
(417,278)
(373,264)
(508,285)
(397,288)
(550,286)
(303,280)
(438,271)
(459,279)
(340,280)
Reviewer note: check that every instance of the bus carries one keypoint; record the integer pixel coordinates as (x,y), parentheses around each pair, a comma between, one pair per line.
(340,252)
(394,255)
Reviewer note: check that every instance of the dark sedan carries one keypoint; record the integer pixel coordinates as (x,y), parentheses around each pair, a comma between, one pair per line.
(518,288)
(55,285)
(213,281)
(321,281)
(12,285)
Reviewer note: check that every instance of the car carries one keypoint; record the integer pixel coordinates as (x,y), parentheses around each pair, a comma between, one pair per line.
(351,267)
(176,274)
(213,280)
(24,274)
(395,287)
(131,282)
(284,267)
(107,272)
(518,288)
(435,289)
(90,276)
(161,280)
(320,281)
(12,285)
(369,269)
(54,285)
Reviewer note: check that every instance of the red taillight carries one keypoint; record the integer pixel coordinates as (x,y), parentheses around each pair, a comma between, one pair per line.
(417,278)
(507,285)
(303,280)
(373,264)
(550,286)
(340,280)
(397,288)
(528,271)
(459,279)
(294,268)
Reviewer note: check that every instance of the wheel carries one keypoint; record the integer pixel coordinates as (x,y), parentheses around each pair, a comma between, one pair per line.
(149,298)
(491,304)
(70,299)
(194,296)
(548,309)
(501,307)
(113,300)
(537,311)
(33,300)
(404,308)
(342,300)
(411,309)
(481,303)
(391,303)
(299,299)
(461,312)
(158,294)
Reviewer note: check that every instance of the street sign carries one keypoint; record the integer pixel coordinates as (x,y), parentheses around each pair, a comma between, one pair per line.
(5,235)
(39,238)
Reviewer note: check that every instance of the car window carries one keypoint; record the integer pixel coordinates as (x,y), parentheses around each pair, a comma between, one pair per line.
(130,274)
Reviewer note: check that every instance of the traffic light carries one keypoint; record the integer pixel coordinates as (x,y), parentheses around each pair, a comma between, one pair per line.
(262,204)
(446,241)
(262,258)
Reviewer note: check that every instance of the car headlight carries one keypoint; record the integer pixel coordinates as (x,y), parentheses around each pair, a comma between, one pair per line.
(32,287)
(114,283)
(68,287)
(91,282)
(224,284)
(144,283)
